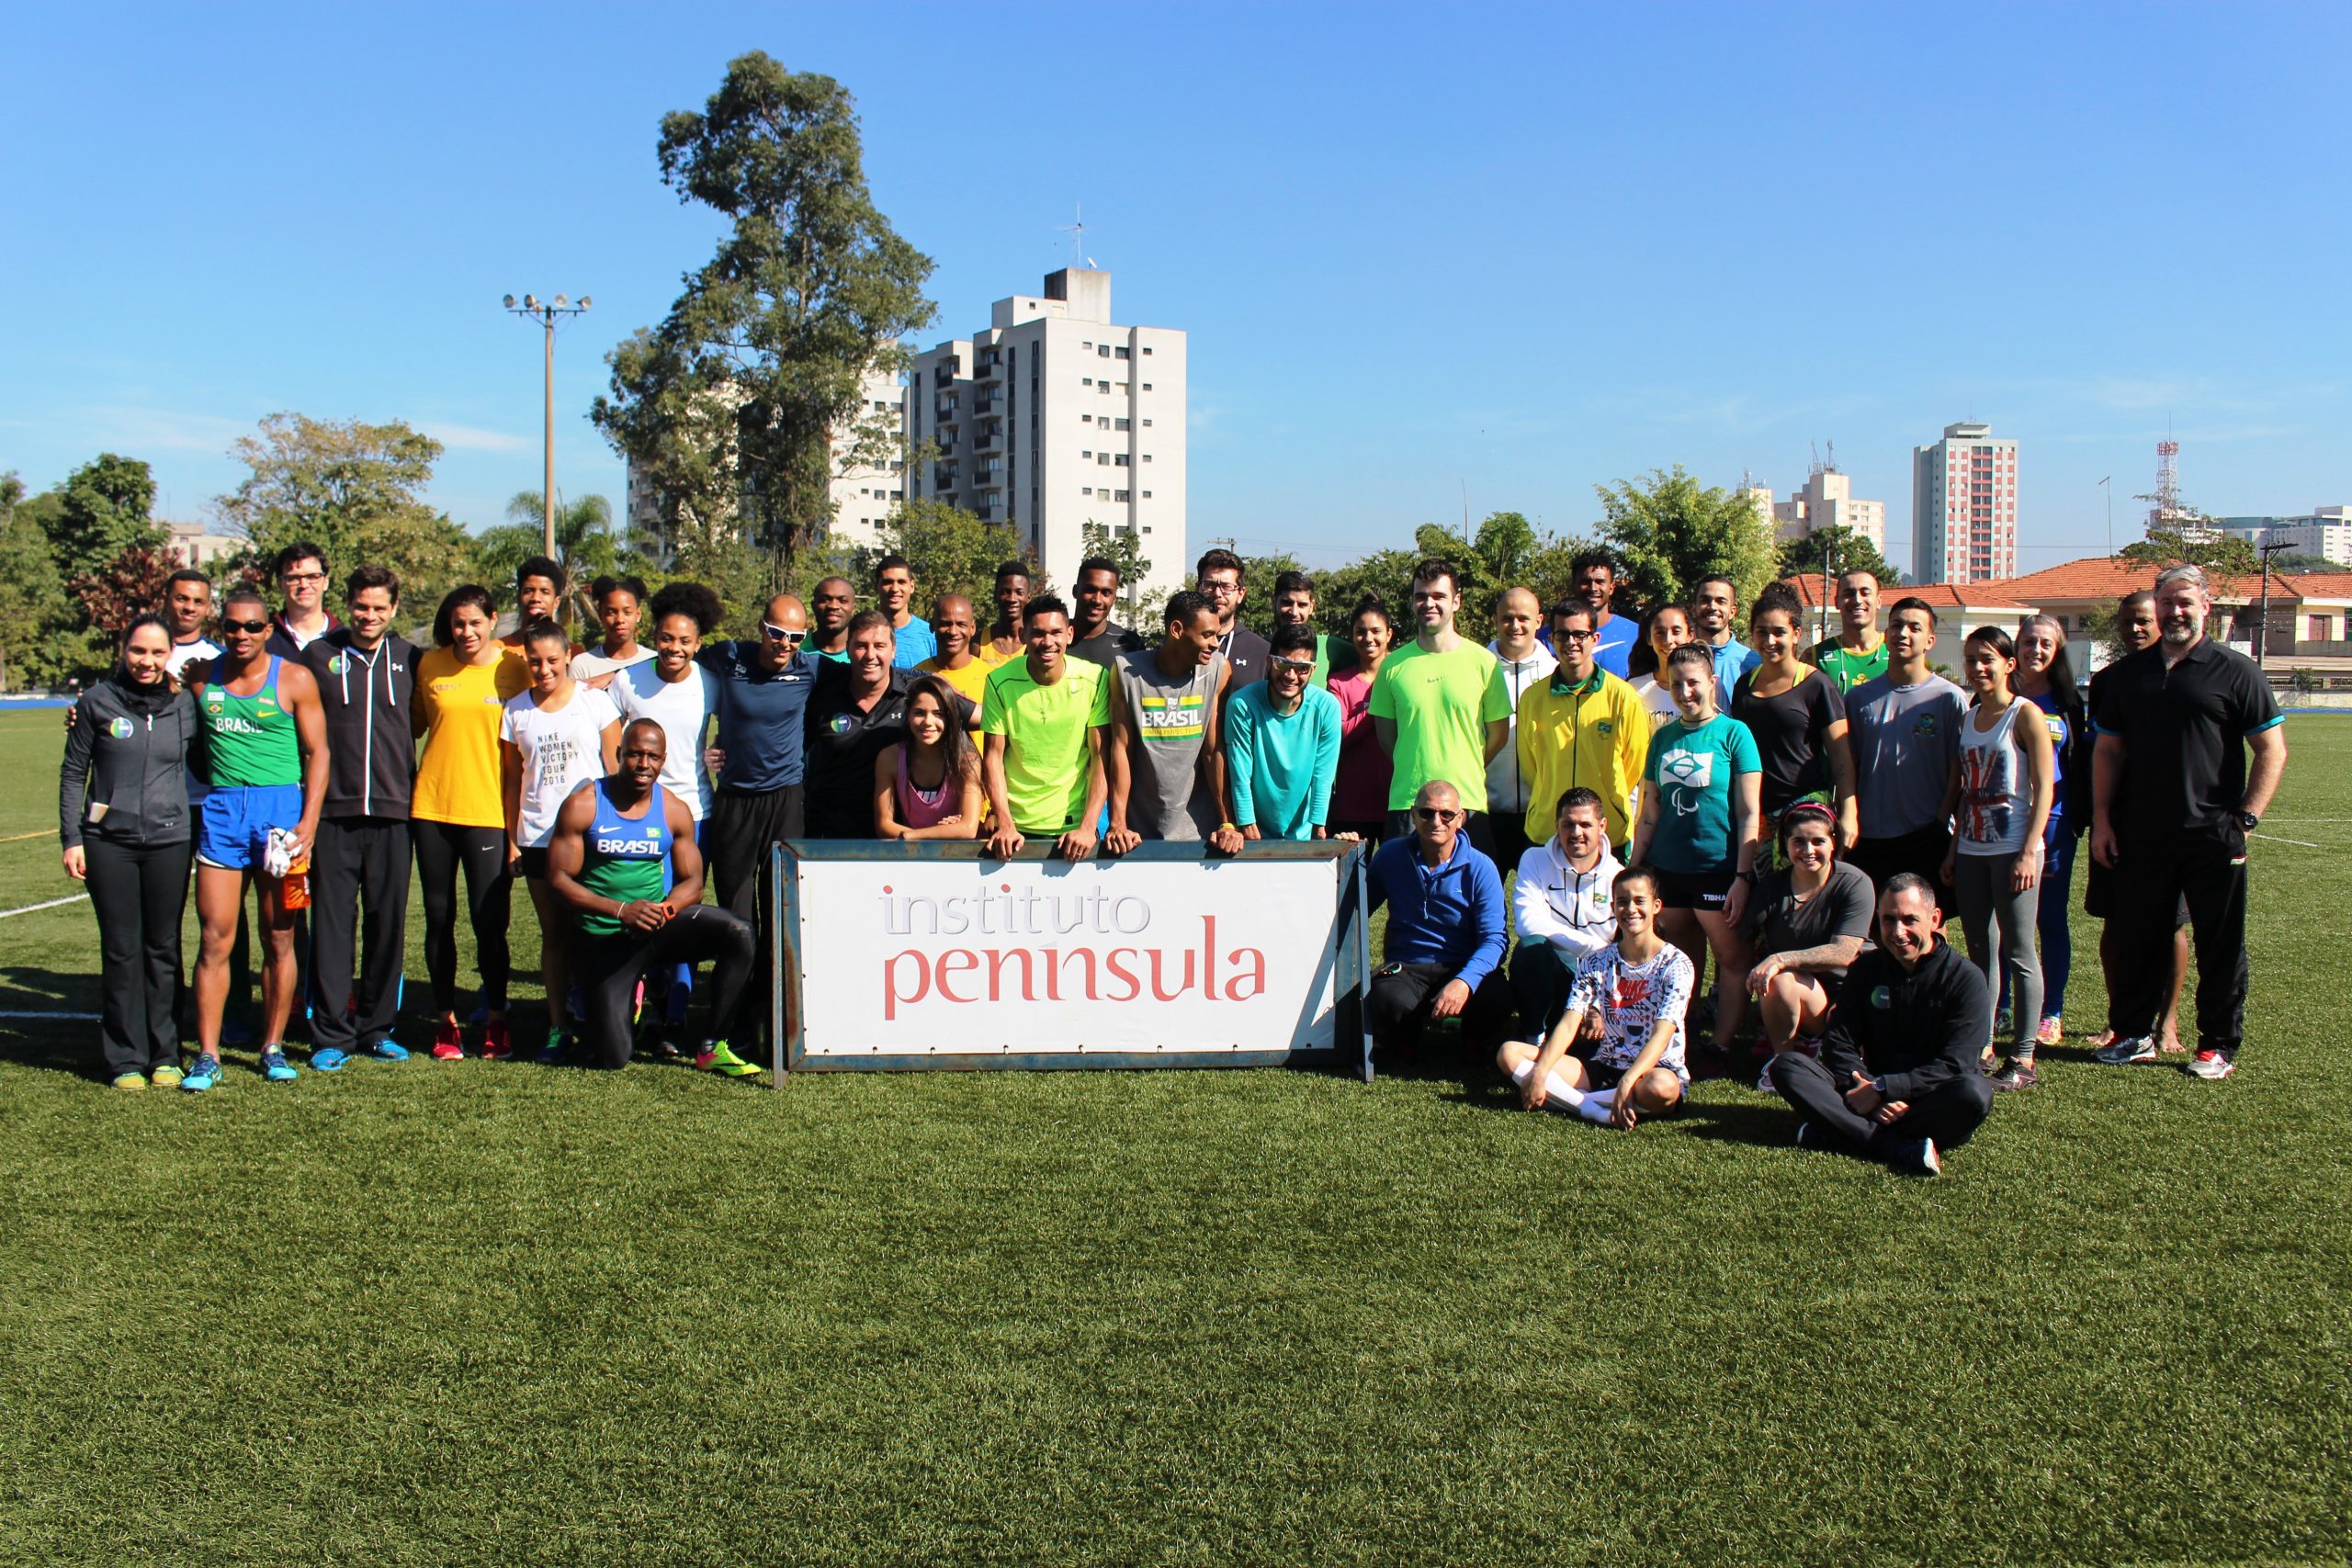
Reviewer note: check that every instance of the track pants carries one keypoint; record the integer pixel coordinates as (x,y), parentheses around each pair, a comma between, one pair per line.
(138,892)
(743,828)
(1982,884)
(1950,1115)
(695,934)
(1397,1007)
(359,881)
(2151,879)
(442,850)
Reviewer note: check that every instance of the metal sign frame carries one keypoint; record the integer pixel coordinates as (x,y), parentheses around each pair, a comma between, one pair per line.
(1350,956)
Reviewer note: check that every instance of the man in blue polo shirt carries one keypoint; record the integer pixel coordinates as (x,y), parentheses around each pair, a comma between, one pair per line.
(2171,803)
(760,760)
(1443,951)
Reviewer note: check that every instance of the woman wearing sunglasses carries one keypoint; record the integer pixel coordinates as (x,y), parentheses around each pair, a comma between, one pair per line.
(458,812)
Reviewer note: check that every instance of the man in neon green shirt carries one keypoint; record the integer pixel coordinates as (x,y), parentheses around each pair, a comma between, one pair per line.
(1857,653)
(1441,708)
(1043,717)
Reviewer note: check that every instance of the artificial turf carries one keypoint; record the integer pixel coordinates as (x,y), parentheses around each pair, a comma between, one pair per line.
(450,1313)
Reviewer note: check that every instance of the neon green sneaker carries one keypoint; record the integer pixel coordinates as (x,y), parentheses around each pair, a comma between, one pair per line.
(167,1076)
(720,1057)
(130,1083)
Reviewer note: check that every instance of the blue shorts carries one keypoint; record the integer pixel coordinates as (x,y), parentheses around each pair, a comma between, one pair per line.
(233,824)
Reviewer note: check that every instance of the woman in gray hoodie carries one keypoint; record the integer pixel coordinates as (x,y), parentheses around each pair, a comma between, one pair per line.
(122,813)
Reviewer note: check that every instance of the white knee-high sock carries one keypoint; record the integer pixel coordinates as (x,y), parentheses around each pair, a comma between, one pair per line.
(1555,1087)
(1595,1108)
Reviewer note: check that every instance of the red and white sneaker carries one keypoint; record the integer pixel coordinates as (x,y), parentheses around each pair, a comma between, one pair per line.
(2212,1065)
(449,1041)
(497,1044)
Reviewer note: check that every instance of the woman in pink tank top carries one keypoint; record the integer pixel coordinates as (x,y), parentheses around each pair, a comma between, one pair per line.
(928,787)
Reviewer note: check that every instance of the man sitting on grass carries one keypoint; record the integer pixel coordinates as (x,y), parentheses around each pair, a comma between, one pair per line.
(623,856)
(1639,987)
(1897,1079)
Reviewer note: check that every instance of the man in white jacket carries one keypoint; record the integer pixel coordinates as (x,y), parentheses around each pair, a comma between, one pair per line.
(1561,903)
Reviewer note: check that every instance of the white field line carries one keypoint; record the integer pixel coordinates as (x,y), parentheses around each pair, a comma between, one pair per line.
(2277,839)
(53,904)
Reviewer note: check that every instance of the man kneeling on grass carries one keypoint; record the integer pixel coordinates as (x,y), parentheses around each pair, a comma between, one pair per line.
(1897,1079)
(623,857)
(1639,986)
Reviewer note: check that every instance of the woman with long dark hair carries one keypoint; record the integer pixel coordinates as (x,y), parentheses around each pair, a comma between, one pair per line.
(459,814)
(2046,678)
(1360,791)
(928,785)
(122,814)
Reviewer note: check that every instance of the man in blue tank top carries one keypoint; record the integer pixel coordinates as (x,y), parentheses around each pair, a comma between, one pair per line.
(623,856)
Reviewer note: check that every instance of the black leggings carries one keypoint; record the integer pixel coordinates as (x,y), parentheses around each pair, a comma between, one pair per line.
(138,891)
(441,849)
(697,932)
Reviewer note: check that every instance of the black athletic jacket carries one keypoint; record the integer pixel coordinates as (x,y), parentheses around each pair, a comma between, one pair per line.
(124,778)
(369,698)
(1915,1029)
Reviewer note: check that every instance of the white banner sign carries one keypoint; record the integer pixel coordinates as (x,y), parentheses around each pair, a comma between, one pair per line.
(947,958)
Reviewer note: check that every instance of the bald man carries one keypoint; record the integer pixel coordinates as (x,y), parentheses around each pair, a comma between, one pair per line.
(1444,945)
(764,684)
(959,661)
(1525,662)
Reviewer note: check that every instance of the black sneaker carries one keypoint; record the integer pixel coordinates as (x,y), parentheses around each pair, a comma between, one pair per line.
(1914,1157)
(2015,1074)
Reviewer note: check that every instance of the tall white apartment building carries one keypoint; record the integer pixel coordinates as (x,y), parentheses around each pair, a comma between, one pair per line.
(2327,532)
(861,495)
(1054,417)
(1964,507)
(1827,501)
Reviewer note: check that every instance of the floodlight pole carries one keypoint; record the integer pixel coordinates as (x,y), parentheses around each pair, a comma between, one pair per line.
(545,312)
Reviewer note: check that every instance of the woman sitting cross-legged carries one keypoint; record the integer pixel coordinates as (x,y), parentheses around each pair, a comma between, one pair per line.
(1809,922)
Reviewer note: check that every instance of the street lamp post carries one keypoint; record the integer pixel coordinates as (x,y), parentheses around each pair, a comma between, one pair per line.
(545,312)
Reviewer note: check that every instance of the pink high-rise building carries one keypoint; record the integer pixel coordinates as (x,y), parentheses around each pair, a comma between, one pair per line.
(1964,507)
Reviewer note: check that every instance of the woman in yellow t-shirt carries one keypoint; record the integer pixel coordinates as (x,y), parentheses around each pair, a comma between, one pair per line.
(458,815)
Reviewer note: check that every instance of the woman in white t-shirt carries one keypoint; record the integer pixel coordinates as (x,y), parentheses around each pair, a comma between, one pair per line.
(616,599)
(678,693)
(551,739)
(1669,629)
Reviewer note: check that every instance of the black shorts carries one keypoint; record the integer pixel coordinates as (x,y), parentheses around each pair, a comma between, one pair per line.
(1702,890)
(2098,888)
(1601,1077)
(533,864)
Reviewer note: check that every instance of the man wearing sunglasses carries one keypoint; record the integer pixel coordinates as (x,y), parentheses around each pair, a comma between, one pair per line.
(761,759)
(1443,951)
(301,573)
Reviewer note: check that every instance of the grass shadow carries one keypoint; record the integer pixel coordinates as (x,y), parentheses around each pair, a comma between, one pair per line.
(1764,1124)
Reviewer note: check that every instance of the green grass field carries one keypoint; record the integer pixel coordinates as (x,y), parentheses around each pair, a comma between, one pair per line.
(473,1312)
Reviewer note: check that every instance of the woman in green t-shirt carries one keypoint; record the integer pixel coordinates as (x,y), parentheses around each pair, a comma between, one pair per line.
(1700,794)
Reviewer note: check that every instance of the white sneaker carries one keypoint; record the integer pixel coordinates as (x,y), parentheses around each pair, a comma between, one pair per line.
(2128,1053)
(1916,1157)
(2212,1066)
(1764,1078)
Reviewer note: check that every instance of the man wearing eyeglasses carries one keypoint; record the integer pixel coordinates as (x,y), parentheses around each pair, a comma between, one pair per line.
(1217,578)
(301,573)
(1283,744)
(761,759)
(1581,728)
(1444,952)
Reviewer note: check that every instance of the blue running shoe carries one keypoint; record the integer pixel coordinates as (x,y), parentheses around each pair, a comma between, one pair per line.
(385,1051)
(276,1067)
(327,1059)
(203,1075)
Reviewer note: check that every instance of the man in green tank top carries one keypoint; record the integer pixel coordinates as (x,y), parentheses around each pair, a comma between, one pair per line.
(1857,653)
(624,857)
(265,762)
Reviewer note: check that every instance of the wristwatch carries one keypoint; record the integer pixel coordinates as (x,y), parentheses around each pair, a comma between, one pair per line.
(2249,820)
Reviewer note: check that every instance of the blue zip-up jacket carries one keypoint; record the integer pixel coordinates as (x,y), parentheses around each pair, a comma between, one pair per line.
(1450,914)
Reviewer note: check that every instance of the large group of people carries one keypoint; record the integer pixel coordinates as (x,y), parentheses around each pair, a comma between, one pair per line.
(1667,799)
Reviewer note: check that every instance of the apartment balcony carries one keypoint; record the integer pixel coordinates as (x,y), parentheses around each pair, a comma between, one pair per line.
(989,512)
(945,371)
(989,437)
(990,367)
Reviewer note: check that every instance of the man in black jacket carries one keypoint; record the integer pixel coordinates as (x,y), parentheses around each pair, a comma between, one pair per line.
(1898,1079)
(366,676)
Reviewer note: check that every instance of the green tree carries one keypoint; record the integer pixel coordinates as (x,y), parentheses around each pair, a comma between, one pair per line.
(1385,576)
(586,544)
(354,489)
(41,643)
(2224,553)
(1123,547)
(104,508)
(1671,532)
(1839,546)
(733,405)
(1257,574)
(1506,552)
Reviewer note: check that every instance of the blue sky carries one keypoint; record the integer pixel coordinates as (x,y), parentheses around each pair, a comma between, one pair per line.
(1422,253)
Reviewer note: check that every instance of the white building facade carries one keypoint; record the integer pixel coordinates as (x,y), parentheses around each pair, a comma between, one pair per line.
(1827,501)
(2326,533)
(1964,507)
(1054,417)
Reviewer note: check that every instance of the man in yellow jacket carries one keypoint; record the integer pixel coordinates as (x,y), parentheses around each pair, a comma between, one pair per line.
(1582,729)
